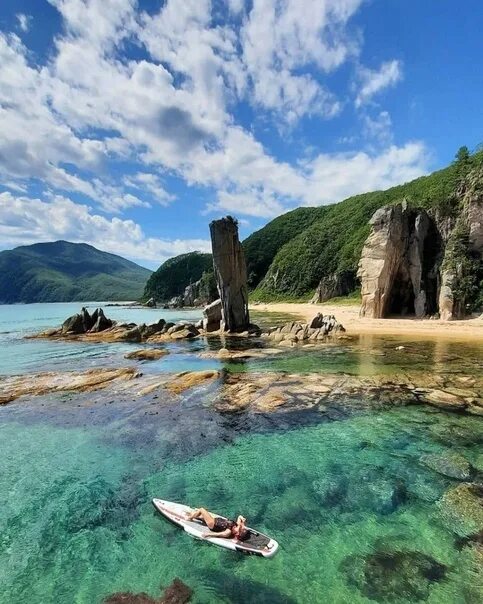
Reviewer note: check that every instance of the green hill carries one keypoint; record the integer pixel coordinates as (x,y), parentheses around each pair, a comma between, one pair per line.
(331,245)
(63,272)
(175,274)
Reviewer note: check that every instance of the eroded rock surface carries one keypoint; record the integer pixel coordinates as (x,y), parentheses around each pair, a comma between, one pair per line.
(399,264)
(13,387)
(231,274)
(319,329)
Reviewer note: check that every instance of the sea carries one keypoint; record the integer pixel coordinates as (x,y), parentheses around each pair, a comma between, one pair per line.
(346,491)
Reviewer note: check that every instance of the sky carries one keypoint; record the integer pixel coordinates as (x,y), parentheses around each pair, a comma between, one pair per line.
(131,124)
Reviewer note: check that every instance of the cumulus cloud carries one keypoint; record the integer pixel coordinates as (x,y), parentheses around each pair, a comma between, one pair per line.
(26,220)
(283,41)
(169,108)
(374,81)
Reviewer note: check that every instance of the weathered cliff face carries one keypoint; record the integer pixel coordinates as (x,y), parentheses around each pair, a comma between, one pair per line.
(231,274)
(399,266)
(336,285)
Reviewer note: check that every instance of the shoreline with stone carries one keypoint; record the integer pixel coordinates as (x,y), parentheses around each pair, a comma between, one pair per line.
(470,329)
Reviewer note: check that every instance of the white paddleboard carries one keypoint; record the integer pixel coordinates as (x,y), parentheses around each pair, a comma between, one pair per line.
(257,543)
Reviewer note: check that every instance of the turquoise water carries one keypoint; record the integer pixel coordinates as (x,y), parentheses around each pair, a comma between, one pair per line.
(350,501)
(20,355)
(76,522)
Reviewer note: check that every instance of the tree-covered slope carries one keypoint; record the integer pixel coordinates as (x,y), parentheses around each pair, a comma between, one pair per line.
(332,244)
(262,246)
(175,274)
(62,272)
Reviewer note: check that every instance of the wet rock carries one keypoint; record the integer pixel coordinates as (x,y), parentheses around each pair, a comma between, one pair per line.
(44,383)
(212,316)
(147,354)
(320,328)
(393,576)
(191,379)
(151,303)
(444,400)
(77,324)
(154,328)
(100,321)
(461,509)
(448,464)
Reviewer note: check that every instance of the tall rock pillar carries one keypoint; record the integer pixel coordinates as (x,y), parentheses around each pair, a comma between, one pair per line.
(231,274)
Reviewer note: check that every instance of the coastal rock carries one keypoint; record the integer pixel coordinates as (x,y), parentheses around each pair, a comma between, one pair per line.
(212,316)
(399,264)
(100,321)
(147,354)
(191,379)
(231,274)
(461,509)
(333,286)
(77,324)
(449,464)
(320,328)
(44,383)
(151,303)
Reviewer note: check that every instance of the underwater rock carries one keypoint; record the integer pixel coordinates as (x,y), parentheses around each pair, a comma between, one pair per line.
(461,509)
(190,379)
(176,593)
(147,354)
(448,464)
(390,576)
(44,383)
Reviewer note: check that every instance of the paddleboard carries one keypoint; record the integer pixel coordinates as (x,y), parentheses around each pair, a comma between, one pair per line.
(256,544)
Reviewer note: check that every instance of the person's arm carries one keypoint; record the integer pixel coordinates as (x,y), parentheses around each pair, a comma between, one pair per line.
(223,534)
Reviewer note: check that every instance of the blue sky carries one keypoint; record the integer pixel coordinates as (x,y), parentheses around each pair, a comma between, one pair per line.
(131,124)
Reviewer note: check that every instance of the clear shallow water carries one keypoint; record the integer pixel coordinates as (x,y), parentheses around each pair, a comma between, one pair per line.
(350,501)
(20,355)
(76,522)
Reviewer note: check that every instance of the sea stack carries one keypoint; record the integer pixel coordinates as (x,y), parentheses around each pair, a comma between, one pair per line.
(230,273)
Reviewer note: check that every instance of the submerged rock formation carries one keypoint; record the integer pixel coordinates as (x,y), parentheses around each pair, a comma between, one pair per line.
(176,593)
(231,274)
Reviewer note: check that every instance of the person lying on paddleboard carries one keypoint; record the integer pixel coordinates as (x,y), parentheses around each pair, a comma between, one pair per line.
(220,527)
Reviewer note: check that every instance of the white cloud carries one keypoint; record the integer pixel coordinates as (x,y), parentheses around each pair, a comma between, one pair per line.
(335,177)
(378,128)
(172,110)
(25,220)
(24,22)
(373,81)
(281,38)
(251,202)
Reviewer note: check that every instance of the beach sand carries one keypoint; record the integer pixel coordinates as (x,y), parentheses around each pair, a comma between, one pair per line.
(464,330)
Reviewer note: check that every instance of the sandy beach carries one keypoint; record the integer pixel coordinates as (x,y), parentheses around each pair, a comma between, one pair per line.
(465,330)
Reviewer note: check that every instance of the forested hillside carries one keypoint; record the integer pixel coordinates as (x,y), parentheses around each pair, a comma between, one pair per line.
(63,272)
(175,274)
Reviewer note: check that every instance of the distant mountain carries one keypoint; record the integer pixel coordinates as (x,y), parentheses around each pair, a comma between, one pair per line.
(65,272)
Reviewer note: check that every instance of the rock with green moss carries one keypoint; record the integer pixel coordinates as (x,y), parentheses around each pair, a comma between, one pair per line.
(461,509)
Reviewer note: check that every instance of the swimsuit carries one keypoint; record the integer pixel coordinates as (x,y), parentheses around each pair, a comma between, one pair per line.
(221,524)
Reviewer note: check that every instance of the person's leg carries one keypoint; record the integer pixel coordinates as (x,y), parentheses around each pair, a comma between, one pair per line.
(208,518)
